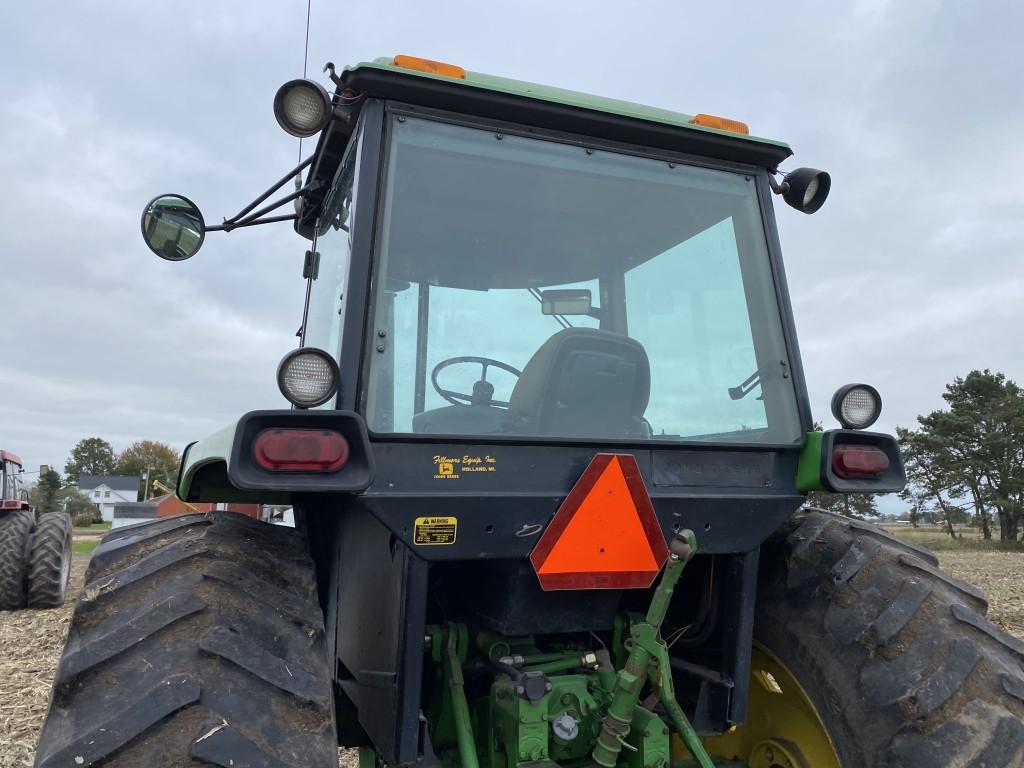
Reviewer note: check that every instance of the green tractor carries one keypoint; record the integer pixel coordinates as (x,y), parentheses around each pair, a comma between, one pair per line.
(549,455)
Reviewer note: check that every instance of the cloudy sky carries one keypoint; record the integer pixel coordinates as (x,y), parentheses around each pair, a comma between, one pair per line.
(909,276)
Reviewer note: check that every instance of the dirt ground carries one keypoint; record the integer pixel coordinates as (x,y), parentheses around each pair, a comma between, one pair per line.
(31,641)
(30,645)
(1000,575)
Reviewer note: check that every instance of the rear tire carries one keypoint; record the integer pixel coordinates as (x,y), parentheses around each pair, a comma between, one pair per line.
(15,530)
(197,640)
(49,564)
(896,656)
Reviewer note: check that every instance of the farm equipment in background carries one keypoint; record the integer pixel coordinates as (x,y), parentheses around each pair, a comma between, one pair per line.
(593,550)
(161,488)
(35,549)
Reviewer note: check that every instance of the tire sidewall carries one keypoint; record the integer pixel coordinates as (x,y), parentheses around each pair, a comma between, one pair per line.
(829,687)
(895,681)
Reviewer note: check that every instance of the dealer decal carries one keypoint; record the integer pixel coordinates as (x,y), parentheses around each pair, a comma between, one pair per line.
(454,467)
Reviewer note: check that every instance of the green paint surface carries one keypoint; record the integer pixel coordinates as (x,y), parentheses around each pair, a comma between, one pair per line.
(215,448)
(808,471)
(565,97)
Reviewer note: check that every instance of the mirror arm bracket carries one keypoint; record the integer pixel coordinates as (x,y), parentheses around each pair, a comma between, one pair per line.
(236,222)
(284,180)
(250,222)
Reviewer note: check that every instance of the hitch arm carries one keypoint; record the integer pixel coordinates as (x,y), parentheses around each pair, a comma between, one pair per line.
(648,658)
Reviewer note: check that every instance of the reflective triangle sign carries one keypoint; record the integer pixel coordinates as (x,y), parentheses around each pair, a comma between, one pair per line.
(605,535)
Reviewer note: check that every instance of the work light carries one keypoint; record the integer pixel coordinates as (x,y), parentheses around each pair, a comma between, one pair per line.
(856,406)
(302,107)
(307,377)
(806,189)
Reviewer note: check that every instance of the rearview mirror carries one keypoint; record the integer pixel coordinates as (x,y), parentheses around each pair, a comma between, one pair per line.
(566,301)
(173,227)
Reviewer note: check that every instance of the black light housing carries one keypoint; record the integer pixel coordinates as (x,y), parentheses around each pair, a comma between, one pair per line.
(805,189)
(302,107)
(308,377)
(887,476)
(856,406)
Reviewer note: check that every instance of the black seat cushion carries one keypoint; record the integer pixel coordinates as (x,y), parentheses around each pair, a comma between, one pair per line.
(583,382)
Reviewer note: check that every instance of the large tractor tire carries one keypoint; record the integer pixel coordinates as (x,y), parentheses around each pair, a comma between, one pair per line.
(894,659)
(15,532)
(197,640)
(49,563)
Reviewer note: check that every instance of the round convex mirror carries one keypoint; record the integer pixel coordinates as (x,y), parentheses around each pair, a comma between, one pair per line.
(173,227)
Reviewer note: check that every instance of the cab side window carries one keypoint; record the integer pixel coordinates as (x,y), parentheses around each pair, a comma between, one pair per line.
(329,281)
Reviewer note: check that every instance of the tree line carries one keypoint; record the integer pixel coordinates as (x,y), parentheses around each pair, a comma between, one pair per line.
(965,462)
(96,456)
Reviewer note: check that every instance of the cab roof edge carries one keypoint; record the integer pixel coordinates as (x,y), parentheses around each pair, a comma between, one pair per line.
(560,96)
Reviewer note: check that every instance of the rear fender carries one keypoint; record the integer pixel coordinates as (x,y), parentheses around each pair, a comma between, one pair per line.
(222,467)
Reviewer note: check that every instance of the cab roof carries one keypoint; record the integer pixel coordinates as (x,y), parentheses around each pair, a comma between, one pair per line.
(577,116)
(556,108)
(8,456)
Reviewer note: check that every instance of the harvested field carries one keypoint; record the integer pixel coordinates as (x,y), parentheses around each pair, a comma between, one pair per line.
(998,569)
(1000,575)
(30,646)
(31,641)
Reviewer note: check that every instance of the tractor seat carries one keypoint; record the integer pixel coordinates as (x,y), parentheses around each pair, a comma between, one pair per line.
(583,382)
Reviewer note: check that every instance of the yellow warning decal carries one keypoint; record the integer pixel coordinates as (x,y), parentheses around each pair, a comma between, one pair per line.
(429,531)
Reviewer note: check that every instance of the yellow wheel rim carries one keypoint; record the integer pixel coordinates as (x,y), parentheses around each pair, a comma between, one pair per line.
(783,729)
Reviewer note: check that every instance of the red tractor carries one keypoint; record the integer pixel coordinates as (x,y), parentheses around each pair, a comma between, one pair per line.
(35,549)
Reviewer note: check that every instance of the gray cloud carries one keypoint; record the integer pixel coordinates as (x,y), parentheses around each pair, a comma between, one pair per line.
(909,276)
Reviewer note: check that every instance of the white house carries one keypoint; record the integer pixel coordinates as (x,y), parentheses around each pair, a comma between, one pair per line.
(107,490)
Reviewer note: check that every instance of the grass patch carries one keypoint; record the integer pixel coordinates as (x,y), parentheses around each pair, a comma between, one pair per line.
(84,546)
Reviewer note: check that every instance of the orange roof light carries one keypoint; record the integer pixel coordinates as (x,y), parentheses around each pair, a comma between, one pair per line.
(605,535)
(721,123)
(429,66)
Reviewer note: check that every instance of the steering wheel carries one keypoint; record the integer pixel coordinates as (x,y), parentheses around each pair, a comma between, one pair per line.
(483,390)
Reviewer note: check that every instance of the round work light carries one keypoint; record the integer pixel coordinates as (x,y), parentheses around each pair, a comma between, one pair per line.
(856,406)
(302,107)
(308,377)
(806,189)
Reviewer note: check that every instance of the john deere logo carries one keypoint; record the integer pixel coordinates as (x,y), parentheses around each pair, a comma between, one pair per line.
(446,467)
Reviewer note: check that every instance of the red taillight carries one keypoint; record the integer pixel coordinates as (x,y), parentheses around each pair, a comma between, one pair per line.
(859,461)
(300,450)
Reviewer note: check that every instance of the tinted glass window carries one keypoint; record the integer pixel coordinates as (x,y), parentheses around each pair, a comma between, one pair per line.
(623,297)
(329,285)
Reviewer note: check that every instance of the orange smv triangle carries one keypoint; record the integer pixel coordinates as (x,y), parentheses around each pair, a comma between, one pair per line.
(605,535)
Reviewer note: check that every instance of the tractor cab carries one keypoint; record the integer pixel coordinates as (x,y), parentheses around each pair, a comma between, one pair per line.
(525,283)
(12,486)
(526,287)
